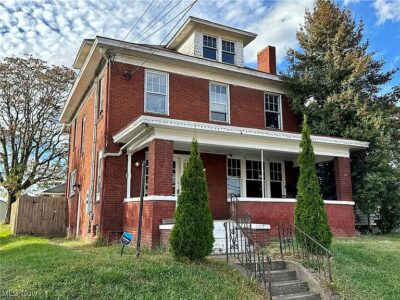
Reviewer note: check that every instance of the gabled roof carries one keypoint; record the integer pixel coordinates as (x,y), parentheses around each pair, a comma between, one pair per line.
(192,23)
(58,189)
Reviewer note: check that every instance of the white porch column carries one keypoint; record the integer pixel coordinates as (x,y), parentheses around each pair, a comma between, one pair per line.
(262,175)
(129,176)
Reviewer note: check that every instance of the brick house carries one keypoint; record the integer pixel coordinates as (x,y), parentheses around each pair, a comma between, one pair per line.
(136,102)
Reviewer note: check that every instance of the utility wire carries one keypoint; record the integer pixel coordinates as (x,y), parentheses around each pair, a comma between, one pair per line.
(141,17)
(151,23)
(183,11)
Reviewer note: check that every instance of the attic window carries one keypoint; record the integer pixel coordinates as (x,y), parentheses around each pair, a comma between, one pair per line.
(209,47)
(228,52)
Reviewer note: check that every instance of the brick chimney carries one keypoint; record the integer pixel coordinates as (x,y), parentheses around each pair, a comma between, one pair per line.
(266,60)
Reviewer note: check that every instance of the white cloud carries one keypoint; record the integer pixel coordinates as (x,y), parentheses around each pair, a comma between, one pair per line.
(53,30)
(387,10)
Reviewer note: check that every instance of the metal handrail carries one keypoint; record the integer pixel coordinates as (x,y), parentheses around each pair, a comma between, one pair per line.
(241,245)
(295,242)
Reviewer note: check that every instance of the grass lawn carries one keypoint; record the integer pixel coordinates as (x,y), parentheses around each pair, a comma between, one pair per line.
(60,268)
(367,267)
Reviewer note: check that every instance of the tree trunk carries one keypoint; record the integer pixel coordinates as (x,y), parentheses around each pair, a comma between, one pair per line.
(11,199)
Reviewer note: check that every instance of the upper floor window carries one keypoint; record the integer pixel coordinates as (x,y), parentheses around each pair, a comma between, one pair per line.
(83,134)
(219,102)
(273,114)
(100,90)
(156,92)
(72,182)
(228,52)
(209,47)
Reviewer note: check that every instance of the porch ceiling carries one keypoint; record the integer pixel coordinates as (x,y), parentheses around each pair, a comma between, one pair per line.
(228,140)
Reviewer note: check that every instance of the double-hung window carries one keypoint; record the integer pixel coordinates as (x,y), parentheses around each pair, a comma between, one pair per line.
(219,102)
(100,95)
(72,182)
(209,47)
(273,114)
(234,178)
(83,125)
(156,92)
(228,52)
(98,179)
(254,177)
(276,182)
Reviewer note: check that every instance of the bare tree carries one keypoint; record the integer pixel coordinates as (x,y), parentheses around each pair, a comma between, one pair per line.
(32,148)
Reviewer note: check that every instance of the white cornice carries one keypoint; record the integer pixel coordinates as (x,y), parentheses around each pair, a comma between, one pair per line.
(155,122)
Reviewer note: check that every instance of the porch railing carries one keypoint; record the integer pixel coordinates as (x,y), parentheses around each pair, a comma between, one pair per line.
(241,245)
(294,242)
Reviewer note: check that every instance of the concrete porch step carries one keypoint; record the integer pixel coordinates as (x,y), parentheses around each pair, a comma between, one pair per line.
(282,275)
(275,265)
(289,287)
(298,296)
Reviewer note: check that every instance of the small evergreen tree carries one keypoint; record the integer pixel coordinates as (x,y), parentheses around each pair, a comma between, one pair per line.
(310,214)
(192,235)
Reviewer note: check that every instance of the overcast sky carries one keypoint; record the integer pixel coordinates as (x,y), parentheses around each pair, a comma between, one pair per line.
(53,30)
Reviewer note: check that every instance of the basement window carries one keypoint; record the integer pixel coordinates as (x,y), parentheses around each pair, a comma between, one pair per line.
(228,52)
(156,92)
(209,47)
(273,114)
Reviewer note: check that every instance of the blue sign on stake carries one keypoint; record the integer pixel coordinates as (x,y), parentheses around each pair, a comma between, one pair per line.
(126,239)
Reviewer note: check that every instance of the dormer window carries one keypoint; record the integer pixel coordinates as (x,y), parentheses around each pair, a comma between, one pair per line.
(209,47)
(228,52)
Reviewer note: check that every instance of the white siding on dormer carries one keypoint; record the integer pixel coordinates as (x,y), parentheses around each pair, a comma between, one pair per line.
(188,47)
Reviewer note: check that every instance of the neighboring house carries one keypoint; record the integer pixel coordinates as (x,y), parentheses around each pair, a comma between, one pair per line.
(3,209)
(135,102)
(57,191)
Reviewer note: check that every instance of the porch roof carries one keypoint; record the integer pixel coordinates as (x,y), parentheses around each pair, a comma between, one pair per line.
(136,136)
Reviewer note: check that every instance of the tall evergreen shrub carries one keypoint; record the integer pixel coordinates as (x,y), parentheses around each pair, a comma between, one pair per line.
(310,214)
(192,234)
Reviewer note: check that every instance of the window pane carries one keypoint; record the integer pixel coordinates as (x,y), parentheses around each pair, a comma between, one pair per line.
(155,103)
(276,189)
(271,119)
(209,41)
(228,46)
(215,107)
(254,188)
(233,187)
(216,116)
(209,53)
(228,58)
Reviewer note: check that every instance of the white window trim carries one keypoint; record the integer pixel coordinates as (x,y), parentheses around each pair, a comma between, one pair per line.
(234,53)
(167,92)
(267,179)
(280,120)
(217,49)
(228,104)
(71,185)
(100,95)
(99,176)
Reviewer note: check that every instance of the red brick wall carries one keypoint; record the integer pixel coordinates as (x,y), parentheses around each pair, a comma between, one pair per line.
(184,104)
(153,213)
(160,167)
(343,178)
(340,217)
(215,166)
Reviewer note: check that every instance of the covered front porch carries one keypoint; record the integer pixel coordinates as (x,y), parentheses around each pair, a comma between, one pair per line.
(259,167)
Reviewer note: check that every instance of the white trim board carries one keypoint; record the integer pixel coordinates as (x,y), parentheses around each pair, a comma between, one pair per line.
(290,200)
(152,198)
(253,226)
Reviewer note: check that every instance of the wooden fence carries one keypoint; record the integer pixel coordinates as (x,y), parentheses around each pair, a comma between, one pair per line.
(41,215)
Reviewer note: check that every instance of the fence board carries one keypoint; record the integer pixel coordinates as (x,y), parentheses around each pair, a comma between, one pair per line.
(41,215)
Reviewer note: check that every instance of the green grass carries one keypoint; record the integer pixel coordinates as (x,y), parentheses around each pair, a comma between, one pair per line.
(61,268)
(367,267)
